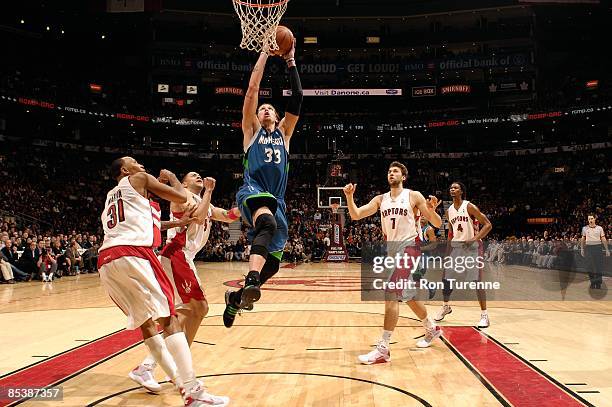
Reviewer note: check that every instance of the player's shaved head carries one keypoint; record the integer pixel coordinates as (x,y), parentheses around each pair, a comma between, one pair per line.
(115,169)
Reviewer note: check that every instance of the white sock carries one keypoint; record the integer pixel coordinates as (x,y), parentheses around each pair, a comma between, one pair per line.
(428,323)
(149,360)
(44,277)
(161,354)
(386,337)
(484,312)
(179,349)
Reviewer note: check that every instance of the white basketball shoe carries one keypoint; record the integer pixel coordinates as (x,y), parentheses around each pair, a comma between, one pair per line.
(143,375)
(484,321)
(197,396)
(430,335)
(381,354)
(444,311)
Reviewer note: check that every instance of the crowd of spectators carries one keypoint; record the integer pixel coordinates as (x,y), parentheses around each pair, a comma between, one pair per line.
(51,199)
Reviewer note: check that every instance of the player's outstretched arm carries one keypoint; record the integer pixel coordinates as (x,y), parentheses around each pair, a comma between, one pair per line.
(225,215)
(201,211)
(363,211)
(175,192)
(288,123)
(482,219)
(250,123)
(427,207)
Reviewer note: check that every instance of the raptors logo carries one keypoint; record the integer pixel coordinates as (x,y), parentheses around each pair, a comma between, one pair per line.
(187,287)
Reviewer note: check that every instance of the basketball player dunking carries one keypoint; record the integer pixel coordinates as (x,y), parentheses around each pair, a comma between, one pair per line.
(134,278)
(188,231)
(469,227)
(397,209)
(261,199)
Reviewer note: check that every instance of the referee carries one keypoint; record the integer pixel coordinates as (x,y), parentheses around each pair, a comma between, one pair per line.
(593,237)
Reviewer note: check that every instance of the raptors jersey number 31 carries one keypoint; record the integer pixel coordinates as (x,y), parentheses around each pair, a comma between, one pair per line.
(130,219)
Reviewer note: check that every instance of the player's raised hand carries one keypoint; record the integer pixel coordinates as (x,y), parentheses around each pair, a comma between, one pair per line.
(433,202)
(165,176)
(349,189)
(291,53)
(209,183)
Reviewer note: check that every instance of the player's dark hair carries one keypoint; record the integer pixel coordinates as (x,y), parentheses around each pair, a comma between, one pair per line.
(115,169)
(401,166)
(591,214)
(463,188)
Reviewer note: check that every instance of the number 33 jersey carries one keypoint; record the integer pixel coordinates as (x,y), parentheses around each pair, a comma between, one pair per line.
(266,163)
(397,217)
(130,219)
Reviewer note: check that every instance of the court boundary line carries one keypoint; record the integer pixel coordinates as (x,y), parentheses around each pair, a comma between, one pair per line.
(80,371)
(548,377)
(58,354)
(481,378)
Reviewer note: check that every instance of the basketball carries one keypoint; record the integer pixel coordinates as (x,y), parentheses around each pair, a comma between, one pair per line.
(284,39)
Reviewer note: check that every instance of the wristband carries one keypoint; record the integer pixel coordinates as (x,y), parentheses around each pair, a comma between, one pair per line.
(231,215)
(290,60)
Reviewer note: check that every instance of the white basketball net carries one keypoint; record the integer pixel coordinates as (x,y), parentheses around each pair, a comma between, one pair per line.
(258,21)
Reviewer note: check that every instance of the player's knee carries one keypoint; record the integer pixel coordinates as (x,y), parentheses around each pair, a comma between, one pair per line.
(200,309)
(265,227)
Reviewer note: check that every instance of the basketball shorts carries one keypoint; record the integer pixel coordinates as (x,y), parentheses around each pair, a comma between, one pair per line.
(182,273)
(249,199)
(135,280)
(465,262)
(405,271)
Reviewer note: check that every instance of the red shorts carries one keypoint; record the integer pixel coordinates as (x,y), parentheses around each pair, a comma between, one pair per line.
(183,275)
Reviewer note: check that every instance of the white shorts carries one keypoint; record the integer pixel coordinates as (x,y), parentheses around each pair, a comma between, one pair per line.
(465,263)
(138,287)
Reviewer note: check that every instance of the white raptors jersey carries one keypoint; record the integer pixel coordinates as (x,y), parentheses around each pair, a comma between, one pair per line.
(130,219)
(397,218)
(461,222)
(194,237)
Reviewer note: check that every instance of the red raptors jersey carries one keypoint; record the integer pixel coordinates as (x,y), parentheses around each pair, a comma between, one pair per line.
(130,219)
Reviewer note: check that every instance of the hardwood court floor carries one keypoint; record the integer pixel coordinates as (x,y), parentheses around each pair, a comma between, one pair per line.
(299,347)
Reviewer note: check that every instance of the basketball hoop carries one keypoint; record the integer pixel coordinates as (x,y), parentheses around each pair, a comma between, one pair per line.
(258,21)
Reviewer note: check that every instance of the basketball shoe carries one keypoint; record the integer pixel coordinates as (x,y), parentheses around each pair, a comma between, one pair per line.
(444,311)
(251,292)
(430,335)
(232,307)
(143,375)
(197,396)
(484,321)
(381,354)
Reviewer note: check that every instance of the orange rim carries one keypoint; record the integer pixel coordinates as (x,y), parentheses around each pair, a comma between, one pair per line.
(255,5)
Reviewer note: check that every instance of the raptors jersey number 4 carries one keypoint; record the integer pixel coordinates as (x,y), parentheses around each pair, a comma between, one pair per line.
(461,222)
(397,217)
(130,219)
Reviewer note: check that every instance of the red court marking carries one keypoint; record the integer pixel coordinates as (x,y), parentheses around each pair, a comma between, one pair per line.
(60,367)
(289,266)
(519,383)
